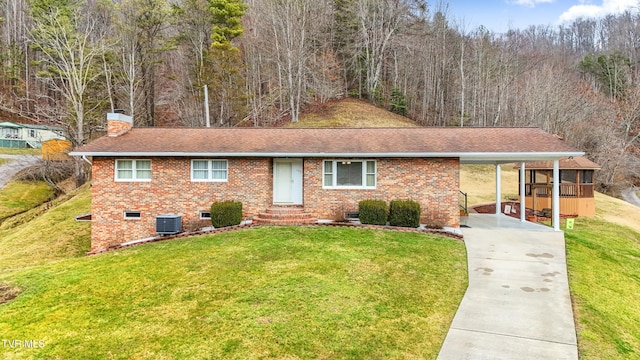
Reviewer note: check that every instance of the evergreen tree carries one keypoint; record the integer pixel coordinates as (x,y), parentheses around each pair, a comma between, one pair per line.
(611,71)
(398,102)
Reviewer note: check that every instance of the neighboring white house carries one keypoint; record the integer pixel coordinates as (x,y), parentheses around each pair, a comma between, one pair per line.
(24,135)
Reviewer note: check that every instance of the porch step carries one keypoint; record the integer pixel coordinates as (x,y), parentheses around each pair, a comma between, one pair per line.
(284,215)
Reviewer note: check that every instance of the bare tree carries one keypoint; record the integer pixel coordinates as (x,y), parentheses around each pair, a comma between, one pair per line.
(63,40)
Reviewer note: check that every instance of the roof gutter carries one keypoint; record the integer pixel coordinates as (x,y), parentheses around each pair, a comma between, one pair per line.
(463,156)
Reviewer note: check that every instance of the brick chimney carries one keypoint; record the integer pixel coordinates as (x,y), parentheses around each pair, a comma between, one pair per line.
(118,123)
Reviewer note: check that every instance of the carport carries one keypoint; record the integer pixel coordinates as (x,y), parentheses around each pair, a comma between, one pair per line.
(497,159)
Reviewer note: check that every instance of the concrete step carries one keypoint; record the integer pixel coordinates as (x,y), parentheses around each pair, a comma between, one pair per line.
(297,209)
(283,216)
(260,221)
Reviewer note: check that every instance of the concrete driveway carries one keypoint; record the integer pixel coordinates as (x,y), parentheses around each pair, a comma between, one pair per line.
(629,195)
(16,163)
(517,305)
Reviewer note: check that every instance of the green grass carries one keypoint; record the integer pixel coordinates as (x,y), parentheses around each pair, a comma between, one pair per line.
(3,161)
(11,151)
(604,276)
(40,236)
(308,292)
(20,196)
(266,292)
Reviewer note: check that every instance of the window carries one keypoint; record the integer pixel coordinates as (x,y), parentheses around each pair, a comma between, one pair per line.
(586,177)
(133,170)
(132,215)
(350,174)
(209,170)
(32,133)
(205,215)
(11,133)
(568,176)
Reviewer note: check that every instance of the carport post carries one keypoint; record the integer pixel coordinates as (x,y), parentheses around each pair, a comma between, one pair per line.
(556,195)
(523,208)
(498,203)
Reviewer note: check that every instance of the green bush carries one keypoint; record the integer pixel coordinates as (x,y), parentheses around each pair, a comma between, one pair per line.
(404,213)
(226,213)
(373,212)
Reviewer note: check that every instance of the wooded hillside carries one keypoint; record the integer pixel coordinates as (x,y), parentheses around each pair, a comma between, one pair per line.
(67,62)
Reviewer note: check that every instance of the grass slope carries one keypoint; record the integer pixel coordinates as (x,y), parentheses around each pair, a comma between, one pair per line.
(604,276)
(20,196)
(42,235)
(479,182)
(285,292)
(351,113)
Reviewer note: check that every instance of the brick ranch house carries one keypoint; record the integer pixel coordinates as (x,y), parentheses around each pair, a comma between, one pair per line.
(141,173)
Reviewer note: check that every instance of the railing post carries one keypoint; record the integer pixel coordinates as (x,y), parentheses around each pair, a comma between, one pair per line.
(555,195)
(523,193)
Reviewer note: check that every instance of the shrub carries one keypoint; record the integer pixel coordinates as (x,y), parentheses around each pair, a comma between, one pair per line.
(373,212)
(226,213)
(404,213)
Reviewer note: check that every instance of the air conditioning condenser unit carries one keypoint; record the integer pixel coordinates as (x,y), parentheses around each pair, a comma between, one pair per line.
(169,224)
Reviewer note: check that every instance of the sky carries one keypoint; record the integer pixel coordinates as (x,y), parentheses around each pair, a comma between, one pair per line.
(502,15)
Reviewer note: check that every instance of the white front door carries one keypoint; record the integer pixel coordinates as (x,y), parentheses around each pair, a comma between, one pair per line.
(287,181)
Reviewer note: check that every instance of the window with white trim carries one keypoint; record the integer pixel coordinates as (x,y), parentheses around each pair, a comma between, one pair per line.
(205,215)
(133,170)
(349,174)
(209,170)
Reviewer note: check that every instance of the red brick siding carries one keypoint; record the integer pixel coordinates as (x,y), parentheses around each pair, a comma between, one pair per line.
(434,183)
(170,191)
(116,127)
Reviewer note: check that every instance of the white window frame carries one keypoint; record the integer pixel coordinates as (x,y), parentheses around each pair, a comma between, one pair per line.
(128,215)
(334,174)
(210,170)
(205,215)
(134,171)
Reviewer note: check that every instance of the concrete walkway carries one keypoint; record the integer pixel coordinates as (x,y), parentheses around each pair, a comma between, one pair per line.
(517,305)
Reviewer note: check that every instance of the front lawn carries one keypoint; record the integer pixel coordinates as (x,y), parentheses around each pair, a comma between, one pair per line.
(265,292)
(604,276)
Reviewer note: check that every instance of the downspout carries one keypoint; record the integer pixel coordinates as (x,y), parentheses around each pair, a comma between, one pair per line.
(84,157)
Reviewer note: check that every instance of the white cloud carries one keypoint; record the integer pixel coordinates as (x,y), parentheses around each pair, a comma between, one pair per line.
(530,3)
(595,11)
